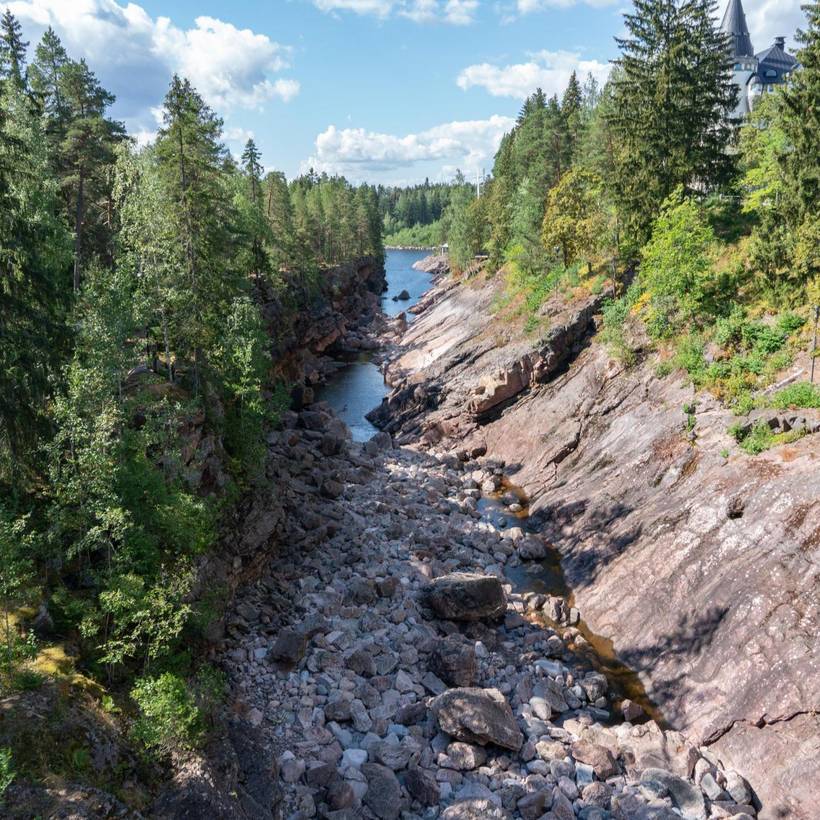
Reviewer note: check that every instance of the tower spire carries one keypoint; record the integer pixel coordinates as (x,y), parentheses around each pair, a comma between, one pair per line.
(734,25)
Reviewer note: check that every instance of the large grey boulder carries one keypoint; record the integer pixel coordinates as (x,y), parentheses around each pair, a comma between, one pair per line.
(477,716)
(467,596)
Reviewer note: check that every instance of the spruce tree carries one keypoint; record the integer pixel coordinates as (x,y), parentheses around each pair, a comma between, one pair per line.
(12,50)
(191,159)
(672,108)
(800,165)
(34,256)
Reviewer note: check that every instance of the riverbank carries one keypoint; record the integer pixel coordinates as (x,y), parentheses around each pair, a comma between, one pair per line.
(698,560)
(391,666)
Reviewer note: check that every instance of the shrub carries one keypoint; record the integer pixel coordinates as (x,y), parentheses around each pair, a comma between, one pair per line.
(169,717)
(676,265)
(800,394)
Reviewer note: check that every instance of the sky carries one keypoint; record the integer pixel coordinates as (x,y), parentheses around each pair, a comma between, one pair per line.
(381,91)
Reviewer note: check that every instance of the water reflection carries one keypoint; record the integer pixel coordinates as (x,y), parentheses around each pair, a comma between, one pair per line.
(357,387)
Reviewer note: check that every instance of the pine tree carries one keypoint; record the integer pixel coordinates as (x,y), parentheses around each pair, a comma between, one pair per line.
(800,166)
(572,104)
(12,50)
(673,102)
(87,159)
(252,165)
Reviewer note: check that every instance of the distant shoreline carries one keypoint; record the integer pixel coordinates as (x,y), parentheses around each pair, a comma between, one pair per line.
(410,247)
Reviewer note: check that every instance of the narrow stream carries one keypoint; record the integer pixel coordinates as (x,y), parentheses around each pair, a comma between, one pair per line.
(357,387)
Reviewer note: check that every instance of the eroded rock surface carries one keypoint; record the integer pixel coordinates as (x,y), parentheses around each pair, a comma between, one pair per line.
(395,709)
(703,569)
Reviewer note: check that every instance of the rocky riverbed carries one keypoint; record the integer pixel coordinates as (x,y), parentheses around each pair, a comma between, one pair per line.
(383,657)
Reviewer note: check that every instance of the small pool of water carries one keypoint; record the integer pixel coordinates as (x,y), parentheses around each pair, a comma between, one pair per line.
(357,387)
(547,578)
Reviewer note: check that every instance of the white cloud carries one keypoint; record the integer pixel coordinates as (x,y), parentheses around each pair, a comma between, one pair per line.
(768,19)
(549,70)
(134,55)
(530,6)
(377,157)
(457,12)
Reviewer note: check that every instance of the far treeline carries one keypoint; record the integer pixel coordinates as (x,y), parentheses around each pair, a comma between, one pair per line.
(414,216)
(650,178)
(130,314)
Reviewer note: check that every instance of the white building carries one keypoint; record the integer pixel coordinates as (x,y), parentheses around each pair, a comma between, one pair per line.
(754,74)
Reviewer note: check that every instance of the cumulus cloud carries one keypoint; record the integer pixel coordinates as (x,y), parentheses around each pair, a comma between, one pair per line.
(457,12)
(768,19)
(134,55)
(373,156)
(549,70)
(530,6)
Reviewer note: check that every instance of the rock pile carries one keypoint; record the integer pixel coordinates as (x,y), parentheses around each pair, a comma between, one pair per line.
(394,672)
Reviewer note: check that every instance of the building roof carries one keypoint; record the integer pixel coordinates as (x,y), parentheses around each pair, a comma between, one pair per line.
(774,63)
(734,25)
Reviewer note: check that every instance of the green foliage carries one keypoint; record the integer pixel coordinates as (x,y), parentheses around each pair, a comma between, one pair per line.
(169,718)
(417,236)
(797,395)
(616,313)
(676,266)
(6,771)
(573,220)
(673,99)
(244,362)
(761,437)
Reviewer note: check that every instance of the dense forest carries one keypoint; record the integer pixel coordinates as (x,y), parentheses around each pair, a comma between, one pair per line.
(129,303)
(129,313)
(709,227)
(413,216)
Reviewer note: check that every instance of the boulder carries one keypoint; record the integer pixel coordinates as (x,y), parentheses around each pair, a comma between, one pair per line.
(477,716)
(599,757)
(289,646)
(422,786)
(383,795)
(454,662)
(686,797)
(479,808)
(467,596)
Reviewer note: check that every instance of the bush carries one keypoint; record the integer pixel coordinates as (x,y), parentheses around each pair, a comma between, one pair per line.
(616,313)
(676,266)
(800,394)
(169,717)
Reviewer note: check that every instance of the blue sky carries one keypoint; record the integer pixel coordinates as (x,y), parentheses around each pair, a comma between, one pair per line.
(388,91)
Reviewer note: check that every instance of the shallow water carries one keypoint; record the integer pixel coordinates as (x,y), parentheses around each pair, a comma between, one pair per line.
(547,578)
(357,387)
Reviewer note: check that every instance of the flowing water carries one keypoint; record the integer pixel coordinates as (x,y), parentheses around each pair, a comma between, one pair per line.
(357,387)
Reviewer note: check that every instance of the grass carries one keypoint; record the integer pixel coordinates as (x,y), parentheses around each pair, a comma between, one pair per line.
(761,437)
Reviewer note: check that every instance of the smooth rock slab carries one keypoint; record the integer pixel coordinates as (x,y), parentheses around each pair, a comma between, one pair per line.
(467,596)
(477,716)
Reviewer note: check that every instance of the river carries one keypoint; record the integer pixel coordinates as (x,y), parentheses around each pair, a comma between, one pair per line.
(357,387)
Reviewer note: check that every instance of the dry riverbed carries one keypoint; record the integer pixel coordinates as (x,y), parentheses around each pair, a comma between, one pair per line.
(386,660)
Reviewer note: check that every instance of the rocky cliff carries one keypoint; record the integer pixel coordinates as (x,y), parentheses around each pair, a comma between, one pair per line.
(700,562)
